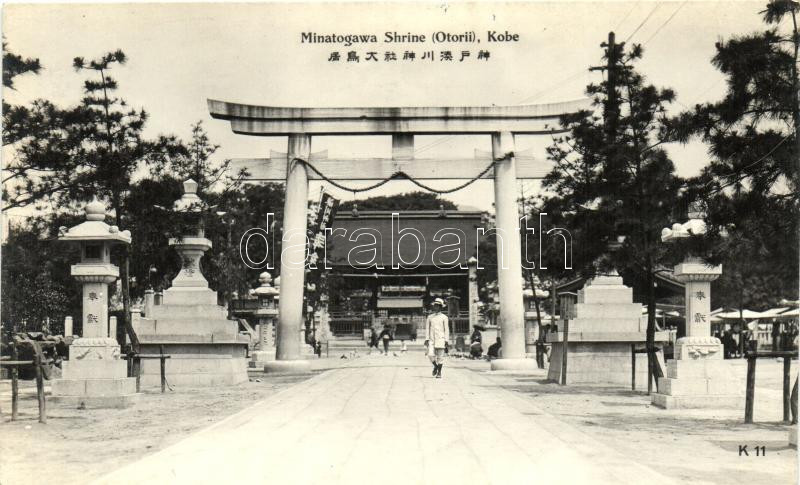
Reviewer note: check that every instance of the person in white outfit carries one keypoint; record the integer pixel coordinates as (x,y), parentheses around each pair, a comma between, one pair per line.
(437,335)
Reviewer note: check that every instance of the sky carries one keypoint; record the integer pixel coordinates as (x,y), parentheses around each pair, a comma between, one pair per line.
(180,55)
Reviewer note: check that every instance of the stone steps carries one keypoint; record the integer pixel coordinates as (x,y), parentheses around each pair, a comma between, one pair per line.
(188,311)
(605,293)
(94,387)
(194,339)
(189,296)
(608,310)
(193,370)
(186,326)
(343,346)
(607,325)
(600,336)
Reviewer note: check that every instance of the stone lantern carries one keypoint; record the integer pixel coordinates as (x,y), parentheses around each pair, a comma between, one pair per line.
(453,302)
(190,246)
(266,313)
(206,348)
(530,295)
(472,290)
(697,377)
(94,375)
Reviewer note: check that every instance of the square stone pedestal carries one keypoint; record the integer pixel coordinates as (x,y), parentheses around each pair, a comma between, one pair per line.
(95,376)
(699,378)
(606,325)
(205,348)
(600,363)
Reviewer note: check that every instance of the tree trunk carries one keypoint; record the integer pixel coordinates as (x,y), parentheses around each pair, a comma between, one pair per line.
(796,87)
(124,275)
(540,338)
(539,345)
(742,325)
(651,330)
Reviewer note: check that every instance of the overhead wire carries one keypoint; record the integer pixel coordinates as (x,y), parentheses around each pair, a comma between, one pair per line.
(643,22)
(666,22)
(627,15)
(534,96)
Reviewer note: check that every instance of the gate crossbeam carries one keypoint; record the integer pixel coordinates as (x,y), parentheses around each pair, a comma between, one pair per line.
(276,121)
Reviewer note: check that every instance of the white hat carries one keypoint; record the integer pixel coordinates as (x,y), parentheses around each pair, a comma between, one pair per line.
(438,301)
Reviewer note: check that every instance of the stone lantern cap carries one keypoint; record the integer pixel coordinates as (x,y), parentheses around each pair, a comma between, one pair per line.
(94,228)
(189,201)
(266,289)
(693,227)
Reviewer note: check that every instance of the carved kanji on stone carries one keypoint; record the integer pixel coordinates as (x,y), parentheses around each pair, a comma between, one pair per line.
(188,266)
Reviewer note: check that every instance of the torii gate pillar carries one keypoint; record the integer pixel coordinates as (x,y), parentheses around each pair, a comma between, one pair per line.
(295,219)
(509,262)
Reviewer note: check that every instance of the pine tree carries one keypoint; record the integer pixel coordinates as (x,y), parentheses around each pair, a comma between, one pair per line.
(194,160)
(112,146)
(613,180)
(752,184)
(15,65)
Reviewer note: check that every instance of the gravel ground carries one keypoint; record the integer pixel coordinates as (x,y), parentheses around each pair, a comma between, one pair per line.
(694,446)
(76,446)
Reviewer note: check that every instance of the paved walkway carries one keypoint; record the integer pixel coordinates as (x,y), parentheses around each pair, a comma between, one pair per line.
(386,420)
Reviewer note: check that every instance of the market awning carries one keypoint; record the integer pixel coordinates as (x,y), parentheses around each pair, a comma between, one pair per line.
(736,315)
(773,312)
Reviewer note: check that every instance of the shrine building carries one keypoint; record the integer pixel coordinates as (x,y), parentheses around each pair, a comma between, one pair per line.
(382,275)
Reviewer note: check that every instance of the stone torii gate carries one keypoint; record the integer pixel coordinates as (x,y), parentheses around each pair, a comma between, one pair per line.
(502,123)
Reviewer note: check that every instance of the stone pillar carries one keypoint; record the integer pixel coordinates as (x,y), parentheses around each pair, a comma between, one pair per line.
(112,327)
(509,258)
(95,303)
(698,342)
(68,326)
(295,220)
(324,327)
(149,303)
(135,315)
(472,291)
(697,279)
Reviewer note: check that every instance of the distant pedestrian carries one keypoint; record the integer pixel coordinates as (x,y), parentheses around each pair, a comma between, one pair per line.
(728,344)
(372,340)
(437,334)
(403,347)
(318,349)
(475,348)
(494,349)
(386,337)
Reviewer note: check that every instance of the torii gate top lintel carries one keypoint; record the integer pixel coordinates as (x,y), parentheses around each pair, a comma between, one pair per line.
(280,121)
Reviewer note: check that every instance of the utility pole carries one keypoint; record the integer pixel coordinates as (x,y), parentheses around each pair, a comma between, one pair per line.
(611,105)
